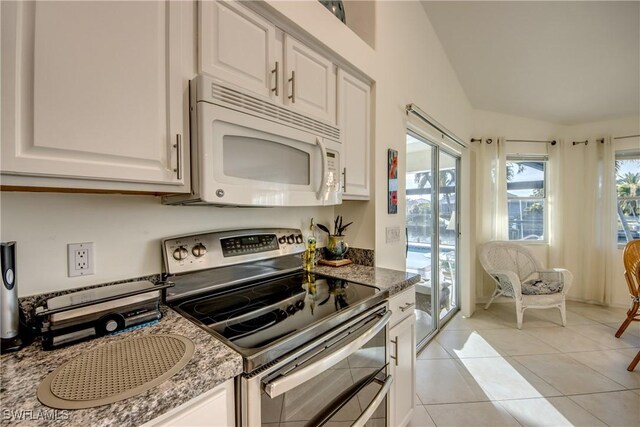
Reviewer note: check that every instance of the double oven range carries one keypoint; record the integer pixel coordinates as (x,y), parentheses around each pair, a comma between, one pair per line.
(314,348)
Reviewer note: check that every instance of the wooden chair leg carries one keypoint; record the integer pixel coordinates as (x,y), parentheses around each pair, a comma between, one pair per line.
(634,362)
(630,315)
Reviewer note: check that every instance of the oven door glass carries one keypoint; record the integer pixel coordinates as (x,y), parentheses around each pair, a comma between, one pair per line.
(353,390)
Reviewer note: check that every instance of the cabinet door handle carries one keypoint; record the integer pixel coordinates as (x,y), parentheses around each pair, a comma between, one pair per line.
(344,180)
(292,97)
(395,345)
(178,147)
(275,71)
(407,306)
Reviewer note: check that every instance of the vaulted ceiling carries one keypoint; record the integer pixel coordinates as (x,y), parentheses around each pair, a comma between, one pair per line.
(563,62)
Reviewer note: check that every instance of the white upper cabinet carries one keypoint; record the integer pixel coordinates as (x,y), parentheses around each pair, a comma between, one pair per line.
(354,119)
(310,81)
(93,95)
(238,46)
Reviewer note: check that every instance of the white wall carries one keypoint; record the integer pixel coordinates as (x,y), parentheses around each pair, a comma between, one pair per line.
(126,231)
(492,124)
(412,68)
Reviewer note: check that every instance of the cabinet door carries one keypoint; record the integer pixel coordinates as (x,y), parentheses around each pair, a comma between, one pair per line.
(309,80)
(403,369)
(213,408)
(92,90)
(238,46)
(354,121)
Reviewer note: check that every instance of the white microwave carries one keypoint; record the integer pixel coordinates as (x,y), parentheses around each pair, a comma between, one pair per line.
(249,151)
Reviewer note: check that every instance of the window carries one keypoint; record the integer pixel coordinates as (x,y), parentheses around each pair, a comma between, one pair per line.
(628,190)
(527,197)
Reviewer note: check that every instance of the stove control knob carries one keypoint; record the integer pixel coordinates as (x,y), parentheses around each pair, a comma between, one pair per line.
(180,253)
(299,238)
(199,250)
(282,240)
(300,304)
(281,314)
(291,309)
(290,239)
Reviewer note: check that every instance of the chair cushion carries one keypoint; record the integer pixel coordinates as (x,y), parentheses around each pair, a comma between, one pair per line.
(540,287)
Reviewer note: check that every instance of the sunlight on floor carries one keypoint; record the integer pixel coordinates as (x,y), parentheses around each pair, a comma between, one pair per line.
(511,376)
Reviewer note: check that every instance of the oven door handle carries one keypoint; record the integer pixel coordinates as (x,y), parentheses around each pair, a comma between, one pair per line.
(293,379)
(368,412)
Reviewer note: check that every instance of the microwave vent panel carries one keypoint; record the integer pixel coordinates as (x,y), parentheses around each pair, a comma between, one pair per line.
(269,110)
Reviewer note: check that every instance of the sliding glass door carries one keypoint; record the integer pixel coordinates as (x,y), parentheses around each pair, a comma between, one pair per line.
(432,232)
(448,166)
(421,193)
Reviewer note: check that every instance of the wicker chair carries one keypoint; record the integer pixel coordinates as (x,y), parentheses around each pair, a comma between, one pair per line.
(631,257)
(519,275)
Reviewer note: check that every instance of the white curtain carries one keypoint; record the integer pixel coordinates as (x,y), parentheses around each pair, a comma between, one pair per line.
(491,201)
(556,199)
(582,205)
(492,190)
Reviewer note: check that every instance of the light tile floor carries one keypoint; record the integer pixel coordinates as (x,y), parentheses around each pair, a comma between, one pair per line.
(483,371)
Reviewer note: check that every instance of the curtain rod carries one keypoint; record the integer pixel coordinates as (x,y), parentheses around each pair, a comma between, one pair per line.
(552,141)
(628,136)
(586,141)
(412,108)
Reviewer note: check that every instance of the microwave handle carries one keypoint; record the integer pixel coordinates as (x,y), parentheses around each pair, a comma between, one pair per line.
(323,179)
(293,379)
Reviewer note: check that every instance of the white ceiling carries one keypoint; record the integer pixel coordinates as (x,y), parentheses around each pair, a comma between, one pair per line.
(563,62)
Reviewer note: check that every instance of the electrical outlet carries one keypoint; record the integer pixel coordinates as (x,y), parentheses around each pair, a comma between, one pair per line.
(393,234)
(80,259)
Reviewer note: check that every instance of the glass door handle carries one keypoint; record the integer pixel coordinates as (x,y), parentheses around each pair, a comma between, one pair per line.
(406,241)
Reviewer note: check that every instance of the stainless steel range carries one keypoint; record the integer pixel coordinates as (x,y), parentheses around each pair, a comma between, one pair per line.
(315,348)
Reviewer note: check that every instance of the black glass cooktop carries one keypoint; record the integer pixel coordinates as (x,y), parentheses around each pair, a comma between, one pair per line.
(256,315)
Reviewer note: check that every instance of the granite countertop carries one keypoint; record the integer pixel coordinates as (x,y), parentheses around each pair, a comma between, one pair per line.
(22,371)
(392,280)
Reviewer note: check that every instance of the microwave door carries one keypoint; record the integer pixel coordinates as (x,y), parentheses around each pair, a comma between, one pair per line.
(246,160)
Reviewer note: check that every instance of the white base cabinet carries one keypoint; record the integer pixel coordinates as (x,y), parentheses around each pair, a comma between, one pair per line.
(93,95)
(215,408)
(403,358)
